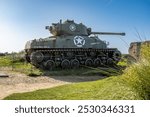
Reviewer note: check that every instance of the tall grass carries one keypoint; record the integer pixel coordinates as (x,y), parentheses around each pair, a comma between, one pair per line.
(138,75)
(145,51)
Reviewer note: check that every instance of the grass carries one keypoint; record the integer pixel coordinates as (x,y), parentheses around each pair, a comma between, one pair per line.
(138,77)
(133,84)
(5,61)
(110,88)
(123,62)
(18,65)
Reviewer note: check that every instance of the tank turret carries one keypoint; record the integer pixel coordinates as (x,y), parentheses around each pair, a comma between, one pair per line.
(69,27)
(70,46)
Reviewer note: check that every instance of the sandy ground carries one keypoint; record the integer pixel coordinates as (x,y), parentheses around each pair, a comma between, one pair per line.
(17,83)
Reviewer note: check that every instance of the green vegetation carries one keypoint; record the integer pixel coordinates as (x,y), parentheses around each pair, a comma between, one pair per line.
(110,88)
(123,62)
(133,84)
(138,75)
(18,64)
(5,61)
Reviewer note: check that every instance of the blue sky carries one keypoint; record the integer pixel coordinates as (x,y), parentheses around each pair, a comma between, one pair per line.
(23,20)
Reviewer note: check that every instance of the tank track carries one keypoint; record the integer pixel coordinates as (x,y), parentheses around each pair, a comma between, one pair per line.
(72,58)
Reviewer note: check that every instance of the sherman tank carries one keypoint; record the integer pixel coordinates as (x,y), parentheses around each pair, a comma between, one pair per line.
(70,46)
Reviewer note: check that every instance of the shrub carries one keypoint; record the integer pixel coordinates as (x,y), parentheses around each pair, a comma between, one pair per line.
(145,51)
(138,74)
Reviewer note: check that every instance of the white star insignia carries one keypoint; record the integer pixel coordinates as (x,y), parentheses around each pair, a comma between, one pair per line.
(79,41)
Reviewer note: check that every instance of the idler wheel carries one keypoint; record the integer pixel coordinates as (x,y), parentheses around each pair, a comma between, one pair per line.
(49,65)
(65,63)
(97,62)
(110,61)
(75,63)
(89,62)
(36,57)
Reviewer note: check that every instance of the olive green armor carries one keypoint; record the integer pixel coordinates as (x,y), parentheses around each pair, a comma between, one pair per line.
(70,46)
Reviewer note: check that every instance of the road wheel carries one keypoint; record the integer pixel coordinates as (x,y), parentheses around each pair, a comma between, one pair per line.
(65,63)
(49,65)
(89,62)
(97,62)
(75,63)
(110,62)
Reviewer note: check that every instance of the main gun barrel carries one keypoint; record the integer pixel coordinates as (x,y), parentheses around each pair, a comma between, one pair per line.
(108,33)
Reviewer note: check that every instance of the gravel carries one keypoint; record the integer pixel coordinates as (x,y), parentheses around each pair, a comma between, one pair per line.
(17,82)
